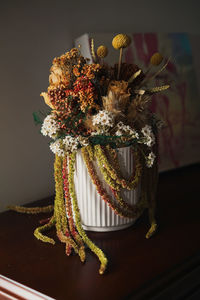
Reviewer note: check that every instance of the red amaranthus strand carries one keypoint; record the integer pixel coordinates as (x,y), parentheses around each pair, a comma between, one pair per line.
(112,157)
(118,210)
(62,226)
(112,169)
(134,210)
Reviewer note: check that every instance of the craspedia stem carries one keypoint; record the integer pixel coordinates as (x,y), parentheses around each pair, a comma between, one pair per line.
(120,62)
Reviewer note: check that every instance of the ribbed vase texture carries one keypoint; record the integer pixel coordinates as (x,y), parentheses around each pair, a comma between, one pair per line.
(96,215)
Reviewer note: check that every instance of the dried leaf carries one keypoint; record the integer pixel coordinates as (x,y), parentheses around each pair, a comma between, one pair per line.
(156,74)
(163,67)
(139,92)
(134,76)
(47,99)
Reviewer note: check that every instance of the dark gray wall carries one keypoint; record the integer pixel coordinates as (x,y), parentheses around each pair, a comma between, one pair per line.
(31,34)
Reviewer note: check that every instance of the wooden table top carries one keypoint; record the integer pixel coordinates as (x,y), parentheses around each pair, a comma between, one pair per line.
(138,268)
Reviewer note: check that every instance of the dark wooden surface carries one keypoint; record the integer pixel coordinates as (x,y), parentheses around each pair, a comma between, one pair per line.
(138,268)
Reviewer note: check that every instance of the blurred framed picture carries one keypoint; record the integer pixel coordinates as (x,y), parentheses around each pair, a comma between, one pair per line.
(178,107)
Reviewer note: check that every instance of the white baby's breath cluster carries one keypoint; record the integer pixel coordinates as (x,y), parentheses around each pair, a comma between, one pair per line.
(68,145)
(83,141)
(50,127)
(99,132)
(57,147)
(123,129)
(103,121)
(148,136)
(104,118)
(150,159)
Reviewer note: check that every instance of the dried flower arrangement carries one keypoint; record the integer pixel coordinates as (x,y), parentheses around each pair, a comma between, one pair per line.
(98,108)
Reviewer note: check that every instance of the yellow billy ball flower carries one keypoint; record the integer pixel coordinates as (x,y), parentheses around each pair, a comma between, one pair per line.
(102,51)
(156,59)
(121,41)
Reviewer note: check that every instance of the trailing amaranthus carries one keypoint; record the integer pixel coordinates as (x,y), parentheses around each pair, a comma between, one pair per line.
(90,244)
(120,207)
(112,170)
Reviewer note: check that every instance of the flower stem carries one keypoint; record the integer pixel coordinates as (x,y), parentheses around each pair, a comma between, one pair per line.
(120,62)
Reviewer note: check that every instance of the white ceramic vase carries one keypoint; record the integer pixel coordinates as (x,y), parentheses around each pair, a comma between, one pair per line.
(96,215)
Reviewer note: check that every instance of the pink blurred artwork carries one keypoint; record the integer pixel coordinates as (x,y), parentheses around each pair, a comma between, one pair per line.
(179,107)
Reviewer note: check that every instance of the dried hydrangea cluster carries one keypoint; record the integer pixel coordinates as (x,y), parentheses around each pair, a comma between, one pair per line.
(97,108)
